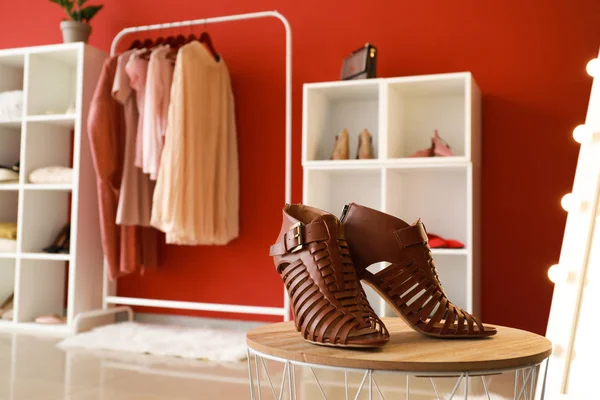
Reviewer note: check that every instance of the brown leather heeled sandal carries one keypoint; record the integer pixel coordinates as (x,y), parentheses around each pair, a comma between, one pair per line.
(329,304)
(410,284)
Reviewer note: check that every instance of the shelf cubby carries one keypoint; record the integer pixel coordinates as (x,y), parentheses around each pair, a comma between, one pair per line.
(45,214)
(331,108)
(52,72)
(330,190)
(42,289)
(437,195)
(418,107)
(48,144)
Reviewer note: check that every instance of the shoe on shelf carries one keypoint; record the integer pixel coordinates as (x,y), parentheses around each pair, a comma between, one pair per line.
(6,308)
(439,148)
(329,305)
(9,174)
(341,149)
(410,284)
(365,146)
(62,242)
(437,242)
(7,303)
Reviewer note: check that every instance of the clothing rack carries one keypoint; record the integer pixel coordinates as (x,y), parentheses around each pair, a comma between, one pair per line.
(109,288)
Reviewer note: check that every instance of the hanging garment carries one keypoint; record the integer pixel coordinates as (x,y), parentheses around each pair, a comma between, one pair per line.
(106,132)
(135,203)
(196,201)
(137,72)
(135,200)
(156,109)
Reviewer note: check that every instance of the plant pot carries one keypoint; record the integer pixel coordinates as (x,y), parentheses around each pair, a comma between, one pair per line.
(75,31)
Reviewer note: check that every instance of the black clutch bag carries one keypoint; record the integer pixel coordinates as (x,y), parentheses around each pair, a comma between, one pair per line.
(361,64)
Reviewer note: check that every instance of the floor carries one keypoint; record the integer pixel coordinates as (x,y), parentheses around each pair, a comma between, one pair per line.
(33,368)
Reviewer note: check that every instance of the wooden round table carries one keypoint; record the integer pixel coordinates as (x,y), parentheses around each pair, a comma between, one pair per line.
(408,353)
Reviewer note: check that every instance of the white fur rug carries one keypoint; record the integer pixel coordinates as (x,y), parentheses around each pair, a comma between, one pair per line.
(163,340)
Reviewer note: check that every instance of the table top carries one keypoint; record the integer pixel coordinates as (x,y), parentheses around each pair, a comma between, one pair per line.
(408,350)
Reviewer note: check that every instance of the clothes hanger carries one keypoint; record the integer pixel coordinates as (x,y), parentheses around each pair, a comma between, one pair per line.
(180,40)
(205,38)
(136,44)
(191,37)
(148,43)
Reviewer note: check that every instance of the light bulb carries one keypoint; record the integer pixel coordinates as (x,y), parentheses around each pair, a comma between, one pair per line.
(570,203)
(593,67)
(558,274)
(582,134)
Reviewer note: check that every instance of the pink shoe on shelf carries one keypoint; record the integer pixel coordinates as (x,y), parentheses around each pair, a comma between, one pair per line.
(422,153)
(439,148)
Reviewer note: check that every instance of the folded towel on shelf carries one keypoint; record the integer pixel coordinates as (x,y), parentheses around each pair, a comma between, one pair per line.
(11,105)
(8,230)
(52,175)
(8,245)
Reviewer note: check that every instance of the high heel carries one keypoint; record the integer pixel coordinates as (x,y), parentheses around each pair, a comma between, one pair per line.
(439,148)
(62,242)
(341,149)
(365,146)
(329,305)
(410,284)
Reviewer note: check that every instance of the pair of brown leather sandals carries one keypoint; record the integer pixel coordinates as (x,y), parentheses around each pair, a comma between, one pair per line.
(323,259)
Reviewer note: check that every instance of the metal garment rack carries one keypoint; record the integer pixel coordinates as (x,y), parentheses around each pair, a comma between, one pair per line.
(109,298)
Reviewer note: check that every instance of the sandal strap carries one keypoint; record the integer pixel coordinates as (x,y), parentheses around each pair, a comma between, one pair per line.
(298,236)
(411,235)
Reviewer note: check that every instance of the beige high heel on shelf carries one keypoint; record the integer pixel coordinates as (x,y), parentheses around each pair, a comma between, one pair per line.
(365,146)
(341,149)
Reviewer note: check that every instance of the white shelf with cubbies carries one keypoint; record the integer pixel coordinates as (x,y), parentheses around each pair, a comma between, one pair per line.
(49,130)
(402,115)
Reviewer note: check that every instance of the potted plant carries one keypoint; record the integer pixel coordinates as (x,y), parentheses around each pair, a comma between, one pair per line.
(77,27)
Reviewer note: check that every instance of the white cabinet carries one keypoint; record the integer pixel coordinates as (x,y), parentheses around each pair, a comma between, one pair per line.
(402,115)
(58,83)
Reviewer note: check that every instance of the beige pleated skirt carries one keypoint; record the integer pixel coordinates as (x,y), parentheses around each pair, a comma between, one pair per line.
(196,199)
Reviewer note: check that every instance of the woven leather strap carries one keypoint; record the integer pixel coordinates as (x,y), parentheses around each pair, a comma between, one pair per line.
(298,236)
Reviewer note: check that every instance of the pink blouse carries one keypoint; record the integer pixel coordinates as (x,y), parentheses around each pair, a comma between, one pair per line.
(137,71)
(156,108)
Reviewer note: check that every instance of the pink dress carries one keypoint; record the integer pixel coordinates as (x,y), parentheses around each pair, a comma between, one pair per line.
(156,108)
(135,200)
(137,71)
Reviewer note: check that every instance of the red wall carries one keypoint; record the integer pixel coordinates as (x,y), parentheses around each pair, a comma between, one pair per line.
(527,56)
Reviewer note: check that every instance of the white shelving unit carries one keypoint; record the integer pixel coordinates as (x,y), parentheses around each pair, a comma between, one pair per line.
(54,79)
(402,114)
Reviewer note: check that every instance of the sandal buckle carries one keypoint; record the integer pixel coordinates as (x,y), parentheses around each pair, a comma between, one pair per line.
(297,228)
